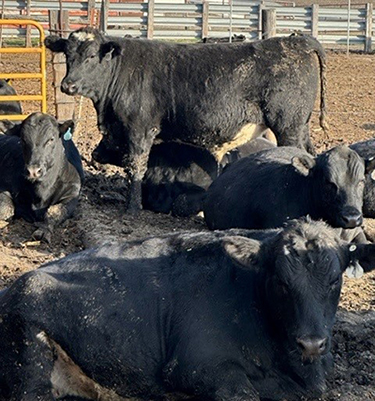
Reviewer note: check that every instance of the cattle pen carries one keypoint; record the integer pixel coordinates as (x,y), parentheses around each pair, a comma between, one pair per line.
(101,213)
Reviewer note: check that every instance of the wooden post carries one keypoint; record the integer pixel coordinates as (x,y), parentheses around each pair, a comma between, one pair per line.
(28,27)
(64,104)
(104,15)
(368,41)
(150,19)
(315,20)
(90,12)
(205,10)
(268,23)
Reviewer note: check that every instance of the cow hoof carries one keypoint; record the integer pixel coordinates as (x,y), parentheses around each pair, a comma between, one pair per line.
(42,235)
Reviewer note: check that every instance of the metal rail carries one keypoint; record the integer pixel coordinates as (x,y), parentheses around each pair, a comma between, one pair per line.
(179,20)
(42,97)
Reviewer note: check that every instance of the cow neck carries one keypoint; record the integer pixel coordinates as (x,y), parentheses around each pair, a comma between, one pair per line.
(106,88)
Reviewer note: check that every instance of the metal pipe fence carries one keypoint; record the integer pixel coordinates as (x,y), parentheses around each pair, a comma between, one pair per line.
(161,19)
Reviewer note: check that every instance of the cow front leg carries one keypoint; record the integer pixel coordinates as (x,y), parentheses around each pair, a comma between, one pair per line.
(136,166)
(224,382)
(55,215)
(6,206)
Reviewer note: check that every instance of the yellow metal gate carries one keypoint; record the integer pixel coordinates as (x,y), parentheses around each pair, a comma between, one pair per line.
(41,75)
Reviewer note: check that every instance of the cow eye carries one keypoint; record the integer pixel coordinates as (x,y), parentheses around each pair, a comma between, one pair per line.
(331,185)
(333,284)
(282,286)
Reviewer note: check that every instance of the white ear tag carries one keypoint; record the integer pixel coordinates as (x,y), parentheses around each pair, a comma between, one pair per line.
(68,135)
(354,270)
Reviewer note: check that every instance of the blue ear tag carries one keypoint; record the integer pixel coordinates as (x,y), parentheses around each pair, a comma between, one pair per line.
(68,135)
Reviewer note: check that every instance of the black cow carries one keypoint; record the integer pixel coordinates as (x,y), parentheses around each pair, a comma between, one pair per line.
(366,150)
(179,174)
(235,38)
(6,107)
(268,188)
(41,173)
(201,94)
(217,316)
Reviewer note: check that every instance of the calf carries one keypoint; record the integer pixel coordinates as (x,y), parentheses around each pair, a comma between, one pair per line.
(41,173)
(179,174)
(200,94)
(216,316)
(266,189)
(366,150)
(8,107)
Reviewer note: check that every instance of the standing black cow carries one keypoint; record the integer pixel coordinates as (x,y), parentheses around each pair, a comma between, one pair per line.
(217,316)
(202,94)
(366,150)
(41,173)
(179,174)
(268,188)
(6,107)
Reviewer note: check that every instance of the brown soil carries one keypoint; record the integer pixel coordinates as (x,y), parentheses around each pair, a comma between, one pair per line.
(101,214)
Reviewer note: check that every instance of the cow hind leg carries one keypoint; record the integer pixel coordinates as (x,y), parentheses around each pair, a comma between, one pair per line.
(25,363)
(298,137)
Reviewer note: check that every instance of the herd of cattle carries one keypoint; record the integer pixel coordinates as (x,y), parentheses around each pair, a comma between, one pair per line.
(244,313)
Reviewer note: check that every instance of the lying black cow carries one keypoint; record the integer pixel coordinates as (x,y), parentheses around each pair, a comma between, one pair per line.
(178,175)
(201,94)
(266,189)
(216,316)
(6,107)
(41,173)
(366,150)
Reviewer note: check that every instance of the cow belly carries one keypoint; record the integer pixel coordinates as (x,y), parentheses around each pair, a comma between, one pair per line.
(246,134)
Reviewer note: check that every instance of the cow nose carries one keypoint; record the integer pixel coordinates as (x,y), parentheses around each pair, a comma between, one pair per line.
(352,219)
(68,87)
(312,347)
(34,172)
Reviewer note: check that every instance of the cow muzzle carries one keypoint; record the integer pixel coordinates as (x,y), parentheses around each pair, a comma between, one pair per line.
(69,87)
(351,218)
(312,348)
(34,172)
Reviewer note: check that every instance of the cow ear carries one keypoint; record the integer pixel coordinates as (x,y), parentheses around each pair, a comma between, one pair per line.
(360,258)
(109,50)
(370,167)
(303,164)
(66,129)
(55,44)
(241,249)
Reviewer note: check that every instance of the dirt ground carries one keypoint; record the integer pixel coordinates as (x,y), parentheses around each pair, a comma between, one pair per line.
(101,215)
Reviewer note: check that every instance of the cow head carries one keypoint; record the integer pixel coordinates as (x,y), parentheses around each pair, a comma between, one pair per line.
(41,142)
(338,178)
(88,58)
(301,272)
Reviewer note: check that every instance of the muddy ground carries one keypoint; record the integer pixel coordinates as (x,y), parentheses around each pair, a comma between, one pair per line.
(101,214)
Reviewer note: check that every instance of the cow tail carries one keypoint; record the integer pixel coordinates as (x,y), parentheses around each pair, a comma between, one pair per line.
(323,89)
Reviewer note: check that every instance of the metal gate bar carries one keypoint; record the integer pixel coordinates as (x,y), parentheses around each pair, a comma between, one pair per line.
(27,75)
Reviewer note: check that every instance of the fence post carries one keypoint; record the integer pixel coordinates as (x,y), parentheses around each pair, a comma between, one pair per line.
(91,12)
(205,8)
(368,42)
(268,23)
(28,28)
(150,19)
(64,104)
(104,15)
(315,20)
